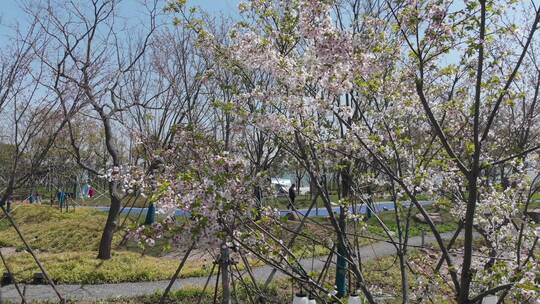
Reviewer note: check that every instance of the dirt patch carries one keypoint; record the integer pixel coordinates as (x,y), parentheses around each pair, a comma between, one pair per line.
(8,251)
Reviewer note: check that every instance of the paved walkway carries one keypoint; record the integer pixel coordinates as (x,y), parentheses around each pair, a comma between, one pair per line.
(107,291)
(315,212)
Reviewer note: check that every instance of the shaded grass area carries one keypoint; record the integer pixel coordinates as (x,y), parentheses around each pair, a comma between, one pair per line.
(416,228)
(190,295)
(384,273)
(374,228)
(129,201)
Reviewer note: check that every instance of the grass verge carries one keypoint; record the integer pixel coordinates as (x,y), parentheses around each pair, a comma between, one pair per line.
(84,268)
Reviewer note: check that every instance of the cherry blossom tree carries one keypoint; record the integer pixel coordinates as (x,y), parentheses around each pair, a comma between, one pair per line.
(401,89)
(412,97)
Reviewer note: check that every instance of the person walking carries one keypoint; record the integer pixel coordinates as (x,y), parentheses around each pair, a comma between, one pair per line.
(9,200)
(292,196)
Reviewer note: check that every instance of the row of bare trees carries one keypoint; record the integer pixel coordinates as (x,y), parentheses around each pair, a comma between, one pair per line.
(84,82)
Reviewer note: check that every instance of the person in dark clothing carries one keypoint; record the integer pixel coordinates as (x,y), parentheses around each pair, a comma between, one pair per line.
(292,196)
(9,200)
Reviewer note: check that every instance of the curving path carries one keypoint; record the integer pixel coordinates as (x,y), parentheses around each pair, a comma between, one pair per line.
(320,212)
(108,291)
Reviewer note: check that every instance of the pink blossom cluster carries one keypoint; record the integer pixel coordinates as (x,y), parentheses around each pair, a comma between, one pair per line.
(209,186)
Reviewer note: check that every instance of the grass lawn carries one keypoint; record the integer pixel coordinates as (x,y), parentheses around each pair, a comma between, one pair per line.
(448,222)
(83,267)
(281,202)
(383,273)
(48,230)
(388,217)
(104,200)
(67,245)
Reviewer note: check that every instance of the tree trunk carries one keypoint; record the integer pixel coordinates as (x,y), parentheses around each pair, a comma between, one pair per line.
(404,275)
(105,245)
(341,263)
(466,274)
(225,278)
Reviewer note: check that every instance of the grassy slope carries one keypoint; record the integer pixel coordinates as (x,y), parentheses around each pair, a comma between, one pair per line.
(47,229)
(66,244)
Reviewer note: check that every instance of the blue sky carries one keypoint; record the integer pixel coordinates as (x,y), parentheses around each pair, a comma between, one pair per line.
(10,11)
